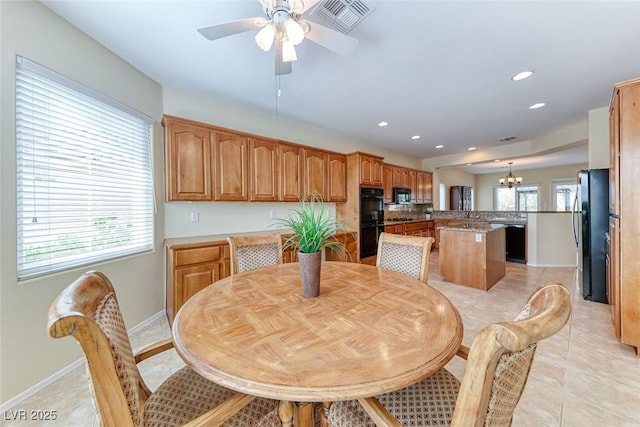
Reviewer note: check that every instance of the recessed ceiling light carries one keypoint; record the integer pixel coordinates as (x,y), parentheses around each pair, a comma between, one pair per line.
(496,160)
(415,137)
(537,105)
(383,124)
(469,164)
(522,75)
(472,148)
(439,146)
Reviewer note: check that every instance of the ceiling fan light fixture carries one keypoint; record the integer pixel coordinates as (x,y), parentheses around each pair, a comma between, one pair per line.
(288,52)
(295,32)
(264,38)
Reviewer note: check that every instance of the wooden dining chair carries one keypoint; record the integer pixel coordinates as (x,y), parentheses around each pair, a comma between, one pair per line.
(405,254)
(88,310)
(495,374)
(251,252)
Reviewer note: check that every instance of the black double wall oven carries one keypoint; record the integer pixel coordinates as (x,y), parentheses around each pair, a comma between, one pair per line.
(371,220)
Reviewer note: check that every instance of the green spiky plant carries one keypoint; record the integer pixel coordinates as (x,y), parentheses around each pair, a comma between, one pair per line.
(313,230)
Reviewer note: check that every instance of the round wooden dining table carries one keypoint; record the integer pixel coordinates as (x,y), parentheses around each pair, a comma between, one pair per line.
(370,331)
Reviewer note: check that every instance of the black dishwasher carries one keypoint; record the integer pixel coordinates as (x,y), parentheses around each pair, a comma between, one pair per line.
(516,243)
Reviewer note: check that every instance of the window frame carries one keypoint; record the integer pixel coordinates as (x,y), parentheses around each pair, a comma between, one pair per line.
(562,181)
(85,190)
(516,202)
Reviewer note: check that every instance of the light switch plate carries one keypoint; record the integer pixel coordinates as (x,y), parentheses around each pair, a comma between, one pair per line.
(479,237)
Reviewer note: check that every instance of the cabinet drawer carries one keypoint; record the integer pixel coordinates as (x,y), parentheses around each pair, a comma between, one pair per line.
(199,255)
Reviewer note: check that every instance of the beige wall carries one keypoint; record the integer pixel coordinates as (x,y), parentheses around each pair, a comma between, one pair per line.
(28,354)
(543,177)
(450,177)
(230,217)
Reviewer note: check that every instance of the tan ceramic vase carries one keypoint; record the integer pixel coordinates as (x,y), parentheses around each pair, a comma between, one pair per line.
(310,273)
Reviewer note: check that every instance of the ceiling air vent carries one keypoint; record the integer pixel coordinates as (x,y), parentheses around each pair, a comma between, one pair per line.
(341,15)
(507,138)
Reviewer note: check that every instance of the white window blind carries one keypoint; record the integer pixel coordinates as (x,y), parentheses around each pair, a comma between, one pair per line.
(84,175)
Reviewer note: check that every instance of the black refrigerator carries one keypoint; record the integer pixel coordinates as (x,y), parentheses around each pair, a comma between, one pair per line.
(593,191)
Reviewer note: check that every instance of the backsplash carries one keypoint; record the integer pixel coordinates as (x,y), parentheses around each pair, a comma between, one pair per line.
(481,215)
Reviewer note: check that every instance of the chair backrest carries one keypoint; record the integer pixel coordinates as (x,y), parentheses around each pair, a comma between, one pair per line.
(251,252)
(500,359)
(88,310)
(405,254)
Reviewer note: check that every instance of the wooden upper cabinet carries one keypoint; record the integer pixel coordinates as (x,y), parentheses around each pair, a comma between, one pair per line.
(337,178)
(400,177)
(413,185)
(315,174)
(428,187)
(263,170)
(387,173)
(425,187)
(188,161)
(371,172)
(290,166)
(230,167)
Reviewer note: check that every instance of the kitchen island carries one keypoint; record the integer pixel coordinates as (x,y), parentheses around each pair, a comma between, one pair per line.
(473,255)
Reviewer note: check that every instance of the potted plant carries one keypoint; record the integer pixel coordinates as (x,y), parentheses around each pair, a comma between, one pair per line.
(313,230)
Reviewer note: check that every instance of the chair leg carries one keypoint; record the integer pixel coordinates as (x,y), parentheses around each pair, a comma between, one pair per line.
(324,414)
(285,412)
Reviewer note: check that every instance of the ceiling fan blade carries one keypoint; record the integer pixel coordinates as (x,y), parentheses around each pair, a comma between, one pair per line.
(331,39)
(230,28)
(281,66)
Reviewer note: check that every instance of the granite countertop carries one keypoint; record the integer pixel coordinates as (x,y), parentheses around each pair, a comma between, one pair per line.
(391,222)
(474,228)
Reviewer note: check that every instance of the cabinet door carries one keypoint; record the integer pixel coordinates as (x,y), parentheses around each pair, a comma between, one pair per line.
(230,153)
(377,176)
(191,280)
(413,185)
(366,170)
(613,276)
(337,178)
(427,187)
(388,183)
(614,153)
(315,174)
(188,163)
(290,163)
(263,170)
(419,193)
(400,177)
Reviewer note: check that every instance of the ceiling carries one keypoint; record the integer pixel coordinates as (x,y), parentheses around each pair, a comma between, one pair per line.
(438,69)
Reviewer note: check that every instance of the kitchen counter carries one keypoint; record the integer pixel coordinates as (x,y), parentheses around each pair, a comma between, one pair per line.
(473,256)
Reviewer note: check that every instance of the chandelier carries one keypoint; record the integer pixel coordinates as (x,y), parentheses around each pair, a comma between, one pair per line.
(283,24)
(510,180)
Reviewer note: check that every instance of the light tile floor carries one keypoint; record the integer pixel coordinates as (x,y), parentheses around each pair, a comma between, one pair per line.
(581,377)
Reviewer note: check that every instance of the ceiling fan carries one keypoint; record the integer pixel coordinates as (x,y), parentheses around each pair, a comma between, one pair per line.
(285,27)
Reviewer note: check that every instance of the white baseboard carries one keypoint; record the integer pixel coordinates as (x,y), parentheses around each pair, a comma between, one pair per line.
(14,401)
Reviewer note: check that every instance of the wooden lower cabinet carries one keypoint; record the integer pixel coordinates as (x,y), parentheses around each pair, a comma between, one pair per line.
(350,254)
(191,268)
(418,228)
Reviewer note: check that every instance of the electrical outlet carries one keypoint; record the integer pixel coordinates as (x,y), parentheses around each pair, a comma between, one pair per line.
(195,216)
(273,214)
(479,237)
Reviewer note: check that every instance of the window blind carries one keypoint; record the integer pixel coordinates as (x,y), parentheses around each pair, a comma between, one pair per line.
(84,175)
